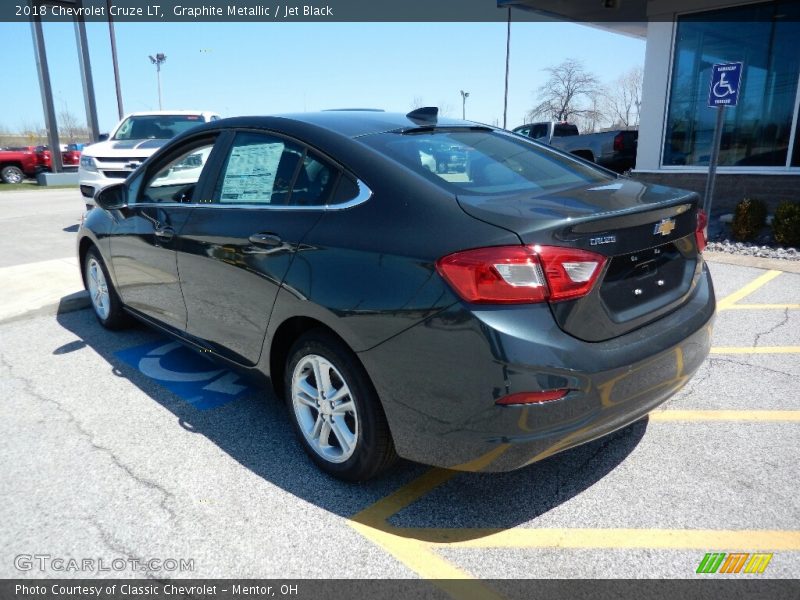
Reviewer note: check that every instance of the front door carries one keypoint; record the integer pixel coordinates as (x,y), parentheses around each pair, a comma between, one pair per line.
(144,237)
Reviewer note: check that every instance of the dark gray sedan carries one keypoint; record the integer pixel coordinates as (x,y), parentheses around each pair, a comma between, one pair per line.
(478,318)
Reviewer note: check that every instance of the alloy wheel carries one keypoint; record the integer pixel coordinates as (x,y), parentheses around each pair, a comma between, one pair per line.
(325,409)
(98,289)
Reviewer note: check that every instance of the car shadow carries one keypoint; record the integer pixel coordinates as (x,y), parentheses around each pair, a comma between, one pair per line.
(255,431)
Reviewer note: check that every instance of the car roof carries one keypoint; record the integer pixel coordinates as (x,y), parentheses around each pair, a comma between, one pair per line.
(349,123)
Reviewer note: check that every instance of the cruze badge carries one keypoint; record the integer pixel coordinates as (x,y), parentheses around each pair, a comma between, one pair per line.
(132,165)
(664,227)
(606,239)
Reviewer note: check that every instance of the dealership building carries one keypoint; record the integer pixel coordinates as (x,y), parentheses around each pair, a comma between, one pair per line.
(760,145)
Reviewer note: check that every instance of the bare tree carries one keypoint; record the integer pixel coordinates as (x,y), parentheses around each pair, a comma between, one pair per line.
(33,133)
(417,102)
(69,127)
(5,136)
(446,109)
(570,92)
(624,97)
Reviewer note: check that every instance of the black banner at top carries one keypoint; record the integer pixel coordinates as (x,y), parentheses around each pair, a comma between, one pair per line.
(283,11)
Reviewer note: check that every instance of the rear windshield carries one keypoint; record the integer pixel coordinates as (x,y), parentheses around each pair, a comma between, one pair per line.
(484,162)
(156,127)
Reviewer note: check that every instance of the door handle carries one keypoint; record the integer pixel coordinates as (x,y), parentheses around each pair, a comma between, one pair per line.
(265,240)
(165,234)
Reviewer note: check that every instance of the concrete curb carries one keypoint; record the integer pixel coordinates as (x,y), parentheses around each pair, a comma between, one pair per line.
(67,304)
(756,262)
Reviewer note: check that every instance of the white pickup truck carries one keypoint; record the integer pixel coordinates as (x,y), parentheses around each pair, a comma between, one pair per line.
(133,140)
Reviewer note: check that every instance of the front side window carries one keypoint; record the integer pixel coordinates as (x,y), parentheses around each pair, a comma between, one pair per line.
(493,163)
(155,127)
(757,131)
(176,181)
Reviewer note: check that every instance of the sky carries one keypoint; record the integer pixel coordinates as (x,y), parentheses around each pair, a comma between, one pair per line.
(272,68)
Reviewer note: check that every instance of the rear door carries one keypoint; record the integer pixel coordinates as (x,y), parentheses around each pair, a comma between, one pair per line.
(160,201)
(235,251)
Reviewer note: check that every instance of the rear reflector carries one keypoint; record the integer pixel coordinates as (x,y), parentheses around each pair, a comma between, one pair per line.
(701,232)
(521,274)
(532,397)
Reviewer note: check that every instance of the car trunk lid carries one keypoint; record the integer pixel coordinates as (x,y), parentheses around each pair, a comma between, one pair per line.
(647,234)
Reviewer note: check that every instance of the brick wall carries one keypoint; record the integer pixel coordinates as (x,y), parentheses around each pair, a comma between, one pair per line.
(730,188)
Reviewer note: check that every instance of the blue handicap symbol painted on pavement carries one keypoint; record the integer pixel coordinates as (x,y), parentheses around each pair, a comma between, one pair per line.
(186,374)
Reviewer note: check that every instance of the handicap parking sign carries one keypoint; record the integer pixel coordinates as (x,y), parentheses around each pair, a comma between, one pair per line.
(198,381)
(726,80)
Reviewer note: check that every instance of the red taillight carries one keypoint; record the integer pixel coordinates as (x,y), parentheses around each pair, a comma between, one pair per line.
(618,142)
(521,274)
(701,232)
(532,397)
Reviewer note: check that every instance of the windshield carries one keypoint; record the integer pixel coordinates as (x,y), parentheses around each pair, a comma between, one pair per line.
(156,127)
(484,162)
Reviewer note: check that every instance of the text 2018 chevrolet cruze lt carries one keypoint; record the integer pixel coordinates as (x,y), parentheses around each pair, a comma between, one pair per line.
(480,318)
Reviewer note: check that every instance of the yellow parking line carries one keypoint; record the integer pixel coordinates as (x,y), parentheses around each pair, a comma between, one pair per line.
(776,416)
(417,556)
(682,539)
(751,287)
(763,307)
(755,350)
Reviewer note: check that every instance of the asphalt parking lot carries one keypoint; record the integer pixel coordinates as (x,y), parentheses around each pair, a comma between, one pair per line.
(121,445)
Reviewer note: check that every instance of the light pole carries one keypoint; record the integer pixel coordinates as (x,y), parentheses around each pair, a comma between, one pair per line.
(464,96)
(158,60)
(113,37)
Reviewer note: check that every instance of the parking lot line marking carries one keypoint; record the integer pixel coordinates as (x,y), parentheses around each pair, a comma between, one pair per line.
(677,539)
(748,289)
(763,307)
(771,416)
(372,524)
(756,350)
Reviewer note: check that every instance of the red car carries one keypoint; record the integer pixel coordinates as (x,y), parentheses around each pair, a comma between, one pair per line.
(69,158)
(17,163)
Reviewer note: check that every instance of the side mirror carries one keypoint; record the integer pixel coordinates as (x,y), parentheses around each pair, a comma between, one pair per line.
(102,137)
(113,197)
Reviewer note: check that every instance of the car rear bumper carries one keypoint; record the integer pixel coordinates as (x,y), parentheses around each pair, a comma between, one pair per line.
(439,380)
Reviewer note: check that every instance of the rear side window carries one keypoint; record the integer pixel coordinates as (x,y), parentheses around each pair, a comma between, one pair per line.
(262,169)
(539,131)
(316,180)
(346,190)
(564,129)
(259,169)
(489,162)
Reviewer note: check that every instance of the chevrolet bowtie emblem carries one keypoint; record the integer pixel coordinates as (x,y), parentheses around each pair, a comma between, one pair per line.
(664,227)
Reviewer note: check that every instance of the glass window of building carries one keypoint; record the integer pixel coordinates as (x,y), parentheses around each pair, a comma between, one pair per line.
(757,132)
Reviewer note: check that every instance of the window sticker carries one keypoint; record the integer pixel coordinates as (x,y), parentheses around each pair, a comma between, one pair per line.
(250,176)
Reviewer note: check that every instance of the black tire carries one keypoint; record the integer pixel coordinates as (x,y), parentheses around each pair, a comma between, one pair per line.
(11,174)
(115,317)
(374,450)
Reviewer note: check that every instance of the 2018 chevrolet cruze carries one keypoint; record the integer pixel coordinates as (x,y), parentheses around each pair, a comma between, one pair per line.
(479,319)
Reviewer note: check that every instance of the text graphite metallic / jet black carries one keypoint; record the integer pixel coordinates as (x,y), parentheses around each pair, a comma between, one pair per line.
(480,315)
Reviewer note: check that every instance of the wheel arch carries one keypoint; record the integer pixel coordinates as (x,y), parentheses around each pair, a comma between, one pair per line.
(83,247)
(285,336)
